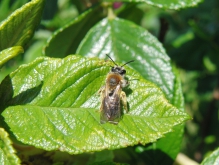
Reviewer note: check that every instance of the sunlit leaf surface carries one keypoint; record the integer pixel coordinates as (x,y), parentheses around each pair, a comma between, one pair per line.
(59,104)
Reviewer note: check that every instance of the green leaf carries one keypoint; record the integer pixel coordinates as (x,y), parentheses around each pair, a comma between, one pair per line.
(7,153)
(66,40)
(9,53)
(167,4)
(178,99)
(124,40)
(213,158)
(59,101)
(19,27)
(131,12)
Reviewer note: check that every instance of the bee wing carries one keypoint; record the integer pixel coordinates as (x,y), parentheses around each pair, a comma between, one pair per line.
(103,112)
(110,106)
(103,116)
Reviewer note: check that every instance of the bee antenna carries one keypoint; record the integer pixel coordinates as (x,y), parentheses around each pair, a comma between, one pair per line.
(127,63)
(111,59)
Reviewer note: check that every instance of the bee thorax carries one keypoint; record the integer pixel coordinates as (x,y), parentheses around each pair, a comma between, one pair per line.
(113,79)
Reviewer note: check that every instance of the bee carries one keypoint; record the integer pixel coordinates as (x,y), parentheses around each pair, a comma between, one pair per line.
(112,93)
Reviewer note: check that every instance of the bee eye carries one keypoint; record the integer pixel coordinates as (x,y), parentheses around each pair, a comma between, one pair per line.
(123,72)
(114,69)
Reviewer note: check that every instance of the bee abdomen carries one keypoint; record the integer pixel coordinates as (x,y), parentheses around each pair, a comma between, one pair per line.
(112,107)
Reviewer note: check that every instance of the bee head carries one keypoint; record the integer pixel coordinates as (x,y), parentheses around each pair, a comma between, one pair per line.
(119,70)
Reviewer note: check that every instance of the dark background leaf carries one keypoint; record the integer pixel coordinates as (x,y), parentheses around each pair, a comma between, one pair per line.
(167,4)
(68,37)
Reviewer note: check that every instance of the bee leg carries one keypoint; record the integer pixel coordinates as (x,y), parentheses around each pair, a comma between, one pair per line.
(124,101)
(124,83)
(101,91)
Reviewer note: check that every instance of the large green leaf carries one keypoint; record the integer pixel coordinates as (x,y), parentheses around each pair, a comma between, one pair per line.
(7,153)
(213,158)
(9,53)
(66,40)
(167,4)
(124,40)
(59,104)
(19,27)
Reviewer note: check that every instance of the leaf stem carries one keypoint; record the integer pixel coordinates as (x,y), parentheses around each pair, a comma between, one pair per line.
(111,14)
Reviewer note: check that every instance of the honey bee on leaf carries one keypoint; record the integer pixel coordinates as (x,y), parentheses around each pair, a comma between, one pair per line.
(112,93)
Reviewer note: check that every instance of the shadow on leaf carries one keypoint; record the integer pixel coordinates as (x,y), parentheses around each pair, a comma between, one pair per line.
(8,99)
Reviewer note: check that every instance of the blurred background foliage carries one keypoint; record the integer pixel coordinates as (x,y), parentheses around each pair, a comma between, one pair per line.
(191,39)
